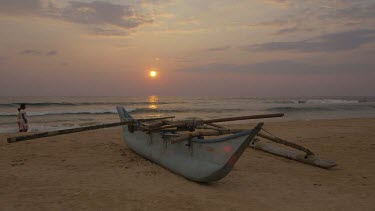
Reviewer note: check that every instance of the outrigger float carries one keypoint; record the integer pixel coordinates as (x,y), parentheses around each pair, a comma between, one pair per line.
(184,146)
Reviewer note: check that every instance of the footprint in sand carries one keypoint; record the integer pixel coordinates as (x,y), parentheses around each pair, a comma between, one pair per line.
(18,162)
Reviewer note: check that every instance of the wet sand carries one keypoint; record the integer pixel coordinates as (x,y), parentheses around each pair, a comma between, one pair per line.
(95,170)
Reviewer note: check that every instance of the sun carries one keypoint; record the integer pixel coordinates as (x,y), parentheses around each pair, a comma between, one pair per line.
(153,74)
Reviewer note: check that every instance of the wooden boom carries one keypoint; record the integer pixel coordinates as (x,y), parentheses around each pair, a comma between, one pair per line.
(210,121)
(75,130)
(228,119)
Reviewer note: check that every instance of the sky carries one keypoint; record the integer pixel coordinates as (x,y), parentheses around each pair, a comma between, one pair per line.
(255,48)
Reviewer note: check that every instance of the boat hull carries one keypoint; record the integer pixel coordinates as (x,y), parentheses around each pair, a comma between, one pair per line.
(198,160)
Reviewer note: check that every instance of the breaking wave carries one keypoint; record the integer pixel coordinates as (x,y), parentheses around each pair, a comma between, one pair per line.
(331,101)
(46,104)
(320,108)
(132,111)
(49,113)
(317,101)
(292,109)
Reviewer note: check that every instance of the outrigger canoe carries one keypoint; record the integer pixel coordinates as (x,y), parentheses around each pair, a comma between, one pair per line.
(200,160)
(181,147)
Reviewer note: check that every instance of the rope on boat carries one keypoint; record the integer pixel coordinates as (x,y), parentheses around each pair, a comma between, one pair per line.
(194,123)
(285,142)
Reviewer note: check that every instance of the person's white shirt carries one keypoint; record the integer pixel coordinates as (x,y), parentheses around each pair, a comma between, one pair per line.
(22,116)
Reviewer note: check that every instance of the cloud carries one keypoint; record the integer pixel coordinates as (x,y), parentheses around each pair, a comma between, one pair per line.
(305,16)
(31,52)
(38,52)
(360,11)
(287,30)
(283,67)
(189,22)
(279,1)
(101,17)
(64,64)
(224,48)
(20,6)
(51,53)
(103,13)
(108,31)
(156,1)
(340,41)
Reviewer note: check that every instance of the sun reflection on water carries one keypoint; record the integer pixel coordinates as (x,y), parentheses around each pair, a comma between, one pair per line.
(153,102)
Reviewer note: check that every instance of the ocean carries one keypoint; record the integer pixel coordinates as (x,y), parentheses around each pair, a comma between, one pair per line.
(55,113)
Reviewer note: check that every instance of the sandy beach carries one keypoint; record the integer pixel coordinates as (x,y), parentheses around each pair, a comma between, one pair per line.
(95,170)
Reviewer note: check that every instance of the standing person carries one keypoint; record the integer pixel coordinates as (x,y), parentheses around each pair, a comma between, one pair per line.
(22,119)
(19,119)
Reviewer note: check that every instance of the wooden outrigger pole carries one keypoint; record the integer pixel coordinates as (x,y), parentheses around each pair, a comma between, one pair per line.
(307,157)
(81,129)
(170,125)
(289,154)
